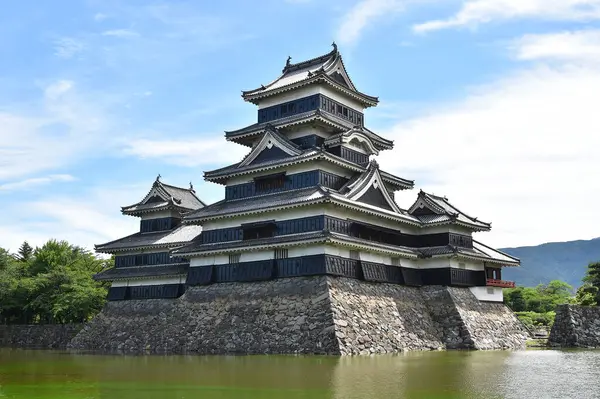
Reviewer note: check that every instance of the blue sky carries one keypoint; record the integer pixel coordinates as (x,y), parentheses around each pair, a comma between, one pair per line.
(490,102)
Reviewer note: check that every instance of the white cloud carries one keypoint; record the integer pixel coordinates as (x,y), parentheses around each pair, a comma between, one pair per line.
(67,47)
(565,46)
(35,182)
(124,33)
(100,17)
(475,12)
(89,218)
(57,89)
(520,152)
(363,14)
(188,152)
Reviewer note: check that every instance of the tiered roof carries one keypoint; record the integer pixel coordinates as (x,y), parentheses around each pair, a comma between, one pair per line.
(144,241)
(326,69)
(165,197)
(434,210)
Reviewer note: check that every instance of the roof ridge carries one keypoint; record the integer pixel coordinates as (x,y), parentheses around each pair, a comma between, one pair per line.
(290,67)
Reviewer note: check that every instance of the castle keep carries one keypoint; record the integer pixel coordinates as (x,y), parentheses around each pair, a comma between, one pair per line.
(308,252)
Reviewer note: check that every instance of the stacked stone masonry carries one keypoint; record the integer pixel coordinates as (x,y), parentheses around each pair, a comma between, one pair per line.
(39,336)
(306,315)
(576,327)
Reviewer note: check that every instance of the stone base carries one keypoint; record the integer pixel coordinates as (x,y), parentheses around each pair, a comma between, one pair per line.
(310,315)
(576,327)
(38,336)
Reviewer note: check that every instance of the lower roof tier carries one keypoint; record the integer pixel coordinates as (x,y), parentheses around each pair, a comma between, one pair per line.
(154,240)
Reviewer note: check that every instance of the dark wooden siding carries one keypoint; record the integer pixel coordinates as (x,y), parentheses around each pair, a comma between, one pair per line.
(117,293)
(200,275)
(290,182)
(309,141)
(349,155)
(381,273)
(245,271)
(310,103)
(159,224)
(155,291)
(149,259)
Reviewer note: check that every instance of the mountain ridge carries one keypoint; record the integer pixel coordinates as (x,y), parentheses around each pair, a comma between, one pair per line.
(566,261)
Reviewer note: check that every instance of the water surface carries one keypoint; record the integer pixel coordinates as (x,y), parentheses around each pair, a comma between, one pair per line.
(525,374)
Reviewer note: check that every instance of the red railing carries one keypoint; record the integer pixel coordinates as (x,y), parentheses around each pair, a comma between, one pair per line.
(500,283)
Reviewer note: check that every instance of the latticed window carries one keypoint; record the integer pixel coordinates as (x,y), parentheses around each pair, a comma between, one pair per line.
(269,183)
(395,261)
(281,253)
(234,258)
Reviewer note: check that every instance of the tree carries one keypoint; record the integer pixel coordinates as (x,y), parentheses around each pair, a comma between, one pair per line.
(514,299)
(54,286)
(25,252)
(586,295)
(592,277)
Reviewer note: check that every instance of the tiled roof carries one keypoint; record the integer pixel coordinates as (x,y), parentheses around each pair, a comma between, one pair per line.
(328,68)
(184,199)
(379,142)
(258,203)
(269,241)
(116,273)
(479,250)
(219,175)
(303,117)
(180,235)
(445,212)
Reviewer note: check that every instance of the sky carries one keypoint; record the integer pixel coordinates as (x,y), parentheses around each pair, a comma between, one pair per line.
(492,103)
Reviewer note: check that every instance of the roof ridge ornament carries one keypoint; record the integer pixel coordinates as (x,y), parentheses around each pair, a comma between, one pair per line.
(335,48)
(192,187)
(158,177)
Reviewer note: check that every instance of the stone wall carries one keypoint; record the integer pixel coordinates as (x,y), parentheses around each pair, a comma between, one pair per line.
(576,327)
(278,316)
(320,314)
(47,336)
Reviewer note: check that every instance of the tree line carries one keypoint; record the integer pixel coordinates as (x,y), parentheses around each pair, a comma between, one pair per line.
(535,306)
(51,284)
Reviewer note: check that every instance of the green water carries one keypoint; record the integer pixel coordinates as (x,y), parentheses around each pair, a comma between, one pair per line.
(526,374)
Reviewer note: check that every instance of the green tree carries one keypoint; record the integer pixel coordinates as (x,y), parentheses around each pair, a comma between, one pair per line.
(54,286)
(25,252)
(586,295)
(592,277)
(513,297)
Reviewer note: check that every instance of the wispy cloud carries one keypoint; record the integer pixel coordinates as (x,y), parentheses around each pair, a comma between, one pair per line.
(476,12)
(362,15)
(35,182)
(187,152)
(123,33)
(68,47)
(581,45)
(519,151)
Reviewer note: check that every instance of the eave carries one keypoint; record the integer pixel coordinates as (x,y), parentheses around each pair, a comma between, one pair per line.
(169,246)
(255,97)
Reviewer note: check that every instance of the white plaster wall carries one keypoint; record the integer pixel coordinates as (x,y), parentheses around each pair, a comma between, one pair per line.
(434,263)
(370,256)
(468,264)
(306,250)
(209,260)
(160,214)
(308,91)
(251,256)
(305,130)
(149,281)
(446,229)
(490,294)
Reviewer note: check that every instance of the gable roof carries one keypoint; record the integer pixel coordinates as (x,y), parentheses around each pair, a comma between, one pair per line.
(479,251)
(160,239)
(328,68)
(270,141)
(369,187)
(164,196)
(373,141)
(434,210)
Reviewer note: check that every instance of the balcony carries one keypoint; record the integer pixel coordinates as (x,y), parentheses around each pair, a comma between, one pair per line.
(491,282)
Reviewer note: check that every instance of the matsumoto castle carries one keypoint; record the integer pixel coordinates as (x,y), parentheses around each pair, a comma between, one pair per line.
(309,199)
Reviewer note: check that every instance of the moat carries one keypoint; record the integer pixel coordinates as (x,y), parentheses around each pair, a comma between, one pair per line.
(456,374)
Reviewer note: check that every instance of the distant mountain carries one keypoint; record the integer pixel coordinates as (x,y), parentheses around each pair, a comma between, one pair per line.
(566,261)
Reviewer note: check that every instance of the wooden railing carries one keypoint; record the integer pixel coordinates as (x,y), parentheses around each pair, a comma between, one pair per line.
(500,283)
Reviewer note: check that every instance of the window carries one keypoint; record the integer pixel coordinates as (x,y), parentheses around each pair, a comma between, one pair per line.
(395,261)
(234,258)
(281,253)
(268,183)
(354,255)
